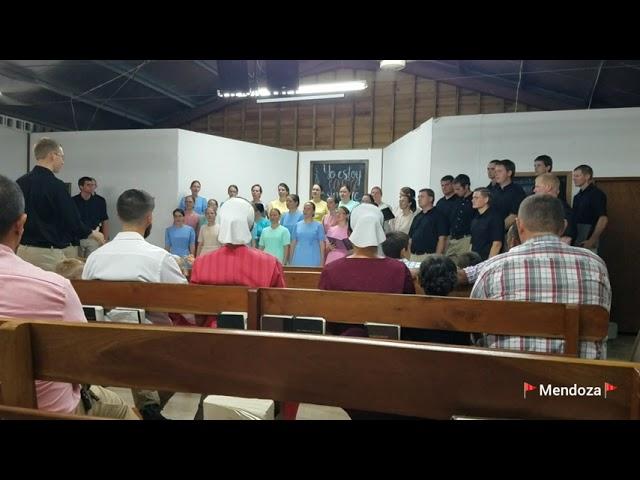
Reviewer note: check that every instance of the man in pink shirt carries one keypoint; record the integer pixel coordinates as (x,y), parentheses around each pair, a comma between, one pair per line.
(32,293)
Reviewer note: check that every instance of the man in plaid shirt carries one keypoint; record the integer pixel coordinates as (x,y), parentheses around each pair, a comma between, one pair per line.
(543,269)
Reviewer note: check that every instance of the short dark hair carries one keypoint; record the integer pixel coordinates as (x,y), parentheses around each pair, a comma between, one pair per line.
(447,178)
(585,169)
(542,213)
(84,180)
(509,165)
(463,180)
(44,147)
(12,201)
(485,192)
(133,205)
(546,159)
(430,192)
(495,162)
(394,244)
(468,259)
(259,208)
(438,275)
(178,210)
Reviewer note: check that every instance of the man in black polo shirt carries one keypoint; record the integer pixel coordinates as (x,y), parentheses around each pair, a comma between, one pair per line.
(549,184)
(506,199)
(447,204)
(487,228)
(52,218)
(93,212)
(429,228)
(590,209)
(491,173)
(460,220)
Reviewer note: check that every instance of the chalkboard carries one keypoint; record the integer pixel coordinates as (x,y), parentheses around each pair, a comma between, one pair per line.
(332,174)
(528,180)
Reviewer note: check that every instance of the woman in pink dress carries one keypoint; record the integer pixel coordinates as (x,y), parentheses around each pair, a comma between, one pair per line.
(330,219)
(191,217)
(339,231)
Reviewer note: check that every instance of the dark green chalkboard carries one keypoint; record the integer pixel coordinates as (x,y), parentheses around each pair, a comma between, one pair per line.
(332,174)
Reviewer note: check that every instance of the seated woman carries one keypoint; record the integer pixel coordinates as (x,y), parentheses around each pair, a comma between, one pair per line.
(367,269)
(340,231)
(208,238)
(307,240)
(438,276)
(180,239)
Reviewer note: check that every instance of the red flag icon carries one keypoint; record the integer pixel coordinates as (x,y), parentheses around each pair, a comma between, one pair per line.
(609,388)
(527,388)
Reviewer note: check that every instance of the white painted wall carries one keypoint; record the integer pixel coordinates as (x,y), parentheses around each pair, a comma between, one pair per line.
(218,162)
(374,155)
(407,163)
(14,152)
(123,159)
(605,139)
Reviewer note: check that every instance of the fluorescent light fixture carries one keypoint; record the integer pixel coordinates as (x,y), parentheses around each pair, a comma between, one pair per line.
(351,86)
(393,65)
(297,98)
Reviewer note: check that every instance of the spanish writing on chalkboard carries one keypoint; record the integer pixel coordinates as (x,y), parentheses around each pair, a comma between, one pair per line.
(331,175)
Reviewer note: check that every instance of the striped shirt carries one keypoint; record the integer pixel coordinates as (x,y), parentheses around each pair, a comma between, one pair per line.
(543,269)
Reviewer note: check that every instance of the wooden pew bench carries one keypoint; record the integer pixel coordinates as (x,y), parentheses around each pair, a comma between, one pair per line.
(391,377)
(571,322)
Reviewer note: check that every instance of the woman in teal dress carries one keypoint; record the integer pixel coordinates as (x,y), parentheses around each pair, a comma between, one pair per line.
(307,241)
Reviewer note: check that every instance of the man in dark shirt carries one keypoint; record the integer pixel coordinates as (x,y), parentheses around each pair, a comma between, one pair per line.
(460,220)
(93,212)
(542,164)
(487,230)
(52,218)
(590,209)
(507,198)
(549,184)
(447,204)
(429,228)
(491,173)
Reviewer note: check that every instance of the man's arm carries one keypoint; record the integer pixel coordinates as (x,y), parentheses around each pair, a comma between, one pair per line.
(442,243)
(495,248)
(105,229)
(597,231)
(71,216)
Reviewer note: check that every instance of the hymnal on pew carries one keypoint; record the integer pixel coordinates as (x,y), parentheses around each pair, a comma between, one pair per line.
(276,323)
(93,313)
(315,325)
(126,315)
(233,320)
(387,331)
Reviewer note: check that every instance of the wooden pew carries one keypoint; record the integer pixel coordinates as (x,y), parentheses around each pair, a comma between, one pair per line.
(391,377)
(571,322)
(301,279)
(18,413)
(164,297)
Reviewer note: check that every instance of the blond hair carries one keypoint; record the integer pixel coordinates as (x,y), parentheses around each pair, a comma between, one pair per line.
(70,268)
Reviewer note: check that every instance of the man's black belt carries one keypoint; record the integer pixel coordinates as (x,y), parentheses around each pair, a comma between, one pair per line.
(458,237)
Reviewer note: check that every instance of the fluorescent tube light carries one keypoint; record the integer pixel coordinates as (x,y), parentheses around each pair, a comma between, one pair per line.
(351,86)
(298,98)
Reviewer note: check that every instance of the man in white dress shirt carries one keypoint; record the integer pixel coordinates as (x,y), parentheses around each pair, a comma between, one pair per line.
(129,257)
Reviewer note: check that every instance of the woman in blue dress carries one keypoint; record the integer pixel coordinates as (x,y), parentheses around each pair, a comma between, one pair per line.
(307,240)
(180,239)
(290,219)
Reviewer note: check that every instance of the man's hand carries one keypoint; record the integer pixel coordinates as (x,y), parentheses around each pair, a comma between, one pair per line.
(588,243)
(97,236)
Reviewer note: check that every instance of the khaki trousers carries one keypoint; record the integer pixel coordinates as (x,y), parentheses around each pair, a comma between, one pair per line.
(45,258)
(108,405)
(458,246)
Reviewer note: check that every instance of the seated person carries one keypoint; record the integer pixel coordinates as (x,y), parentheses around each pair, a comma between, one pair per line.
(396,246)
(438,276)
(468,259)
(70,268)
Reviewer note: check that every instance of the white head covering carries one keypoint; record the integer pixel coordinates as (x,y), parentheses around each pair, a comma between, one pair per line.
(366,223)
(236,220)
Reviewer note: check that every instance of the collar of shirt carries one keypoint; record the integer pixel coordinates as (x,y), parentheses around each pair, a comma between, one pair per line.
(547,238)
(129,236)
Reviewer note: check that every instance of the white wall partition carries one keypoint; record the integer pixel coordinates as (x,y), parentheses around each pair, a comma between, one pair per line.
(123,159)
(373,155)
(14,152)
(218,162)
(407,163)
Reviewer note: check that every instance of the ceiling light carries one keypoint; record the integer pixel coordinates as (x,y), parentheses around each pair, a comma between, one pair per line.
(351,86)
(299,97)
(394,65)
